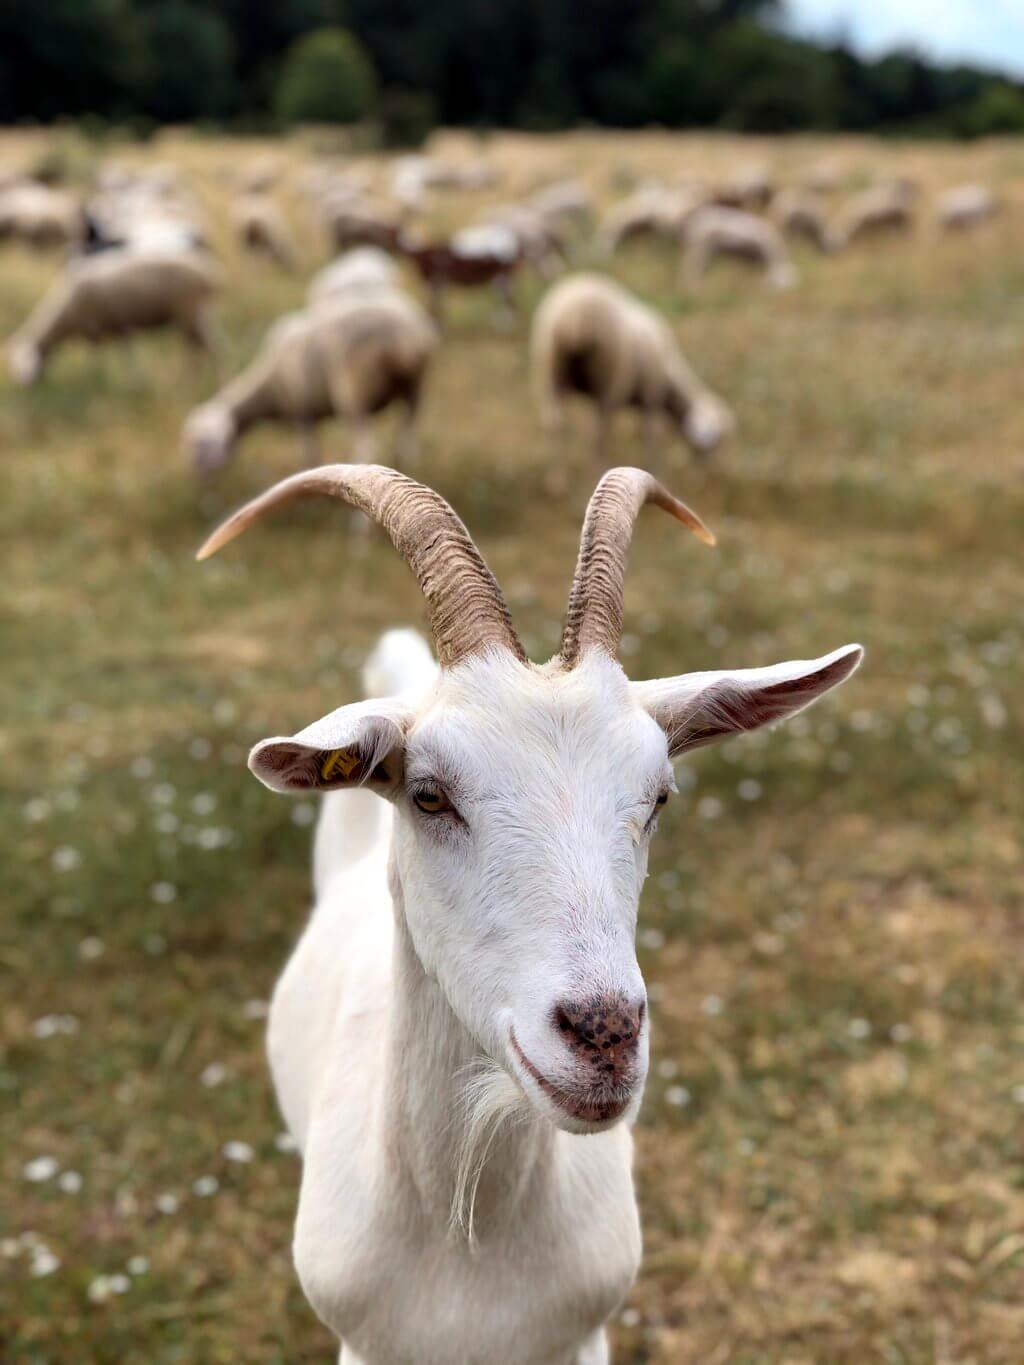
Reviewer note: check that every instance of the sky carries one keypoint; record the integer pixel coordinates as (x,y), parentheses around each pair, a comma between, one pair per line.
(981,32)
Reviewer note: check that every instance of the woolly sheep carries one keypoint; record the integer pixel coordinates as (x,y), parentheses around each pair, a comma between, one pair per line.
(749,187)
(651,211)
(263,230)
(40,215)
(881,209)
(362,222)
(713,232)
(349,357)
(799,213)
(484,255)
(965,206)
(359,270)
(538,241)
(566,203)
(592,337)
(112,295)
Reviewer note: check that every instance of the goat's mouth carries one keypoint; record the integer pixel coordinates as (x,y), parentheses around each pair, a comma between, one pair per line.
(582,1108)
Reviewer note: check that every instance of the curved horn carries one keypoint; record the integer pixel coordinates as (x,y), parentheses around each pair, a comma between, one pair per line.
(594,616)
(468,614)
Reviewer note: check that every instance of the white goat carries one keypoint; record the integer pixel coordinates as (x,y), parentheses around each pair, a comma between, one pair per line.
(592,337)
(113,295)
(459,1043)
(712,232)
(347,357)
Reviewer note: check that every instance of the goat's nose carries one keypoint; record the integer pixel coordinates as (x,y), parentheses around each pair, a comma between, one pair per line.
(603,1031)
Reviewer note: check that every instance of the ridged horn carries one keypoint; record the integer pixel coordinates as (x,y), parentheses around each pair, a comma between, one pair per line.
(594,616)
(468,613)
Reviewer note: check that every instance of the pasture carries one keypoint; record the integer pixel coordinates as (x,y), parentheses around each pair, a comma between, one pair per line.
(829,1153)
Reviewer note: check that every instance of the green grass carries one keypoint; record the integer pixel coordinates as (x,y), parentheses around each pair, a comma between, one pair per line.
(829,1153)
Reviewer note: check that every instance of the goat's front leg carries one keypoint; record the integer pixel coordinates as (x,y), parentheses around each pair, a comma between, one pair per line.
(594,1350)
(349,1357)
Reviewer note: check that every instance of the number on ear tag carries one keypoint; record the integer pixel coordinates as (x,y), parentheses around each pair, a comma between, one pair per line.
(343,761)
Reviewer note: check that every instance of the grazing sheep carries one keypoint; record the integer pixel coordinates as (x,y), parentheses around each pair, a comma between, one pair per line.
(714,232)
(116,294)
(539,242)
(263,230)
(965,206)
(349,357)
(750,187)
(154,232)
(414,176)
(484,255)
(359,270)
(799,213)
(40,216)
(882,209)
(567,203)
(355,221)
(592,337)
(260,175)
(651,211)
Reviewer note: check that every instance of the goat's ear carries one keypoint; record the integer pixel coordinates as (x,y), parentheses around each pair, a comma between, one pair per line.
(699,708)
(362,744)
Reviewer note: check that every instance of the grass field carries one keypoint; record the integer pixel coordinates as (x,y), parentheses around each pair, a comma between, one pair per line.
(830,1150)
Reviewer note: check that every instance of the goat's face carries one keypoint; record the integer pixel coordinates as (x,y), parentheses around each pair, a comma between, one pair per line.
(525,809)
(526,799)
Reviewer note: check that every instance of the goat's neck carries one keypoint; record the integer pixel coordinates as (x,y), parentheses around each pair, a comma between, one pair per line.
(428,1059)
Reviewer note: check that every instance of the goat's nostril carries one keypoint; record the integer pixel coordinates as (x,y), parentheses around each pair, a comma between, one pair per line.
(602,1031)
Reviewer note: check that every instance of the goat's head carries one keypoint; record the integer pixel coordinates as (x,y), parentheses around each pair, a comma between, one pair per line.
(526,796)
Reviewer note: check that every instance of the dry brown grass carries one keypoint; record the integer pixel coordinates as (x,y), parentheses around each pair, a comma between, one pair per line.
(829,1154)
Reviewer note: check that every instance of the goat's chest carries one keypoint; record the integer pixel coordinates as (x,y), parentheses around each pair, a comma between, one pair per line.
(530,1291)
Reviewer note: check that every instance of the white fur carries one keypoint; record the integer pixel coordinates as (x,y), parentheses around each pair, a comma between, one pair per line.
(715,231)
(633,356)
(347,356)
(451,1210)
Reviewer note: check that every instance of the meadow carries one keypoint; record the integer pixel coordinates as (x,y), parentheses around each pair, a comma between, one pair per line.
(829,1153)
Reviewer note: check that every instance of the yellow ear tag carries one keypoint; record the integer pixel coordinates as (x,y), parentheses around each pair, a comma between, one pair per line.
(343,761)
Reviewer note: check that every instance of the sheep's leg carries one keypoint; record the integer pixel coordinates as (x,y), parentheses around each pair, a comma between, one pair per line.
(649,427)
(310,444)
(437,300)
(364,444)
(406,441)
(602,432)
(202,338)
(503,288)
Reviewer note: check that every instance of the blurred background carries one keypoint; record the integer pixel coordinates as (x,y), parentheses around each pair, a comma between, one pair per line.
(829,1155)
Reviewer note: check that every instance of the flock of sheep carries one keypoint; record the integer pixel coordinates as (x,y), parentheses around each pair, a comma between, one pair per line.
(139,258)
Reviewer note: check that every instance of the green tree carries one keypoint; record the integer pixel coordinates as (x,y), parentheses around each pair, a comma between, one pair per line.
(187,66)
(998,109)
(327,78)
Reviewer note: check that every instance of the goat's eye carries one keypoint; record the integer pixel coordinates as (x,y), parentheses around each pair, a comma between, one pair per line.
(661,799)
(431,801)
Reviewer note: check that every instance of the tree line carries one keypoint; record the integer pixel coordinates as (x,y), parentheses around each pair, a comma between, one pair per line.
(536,64)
